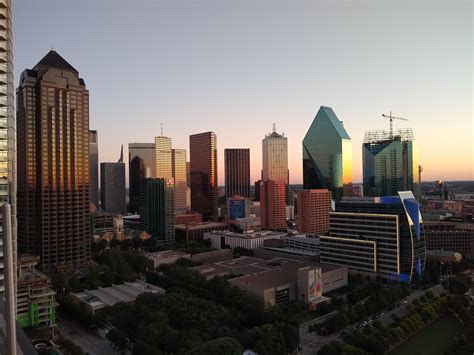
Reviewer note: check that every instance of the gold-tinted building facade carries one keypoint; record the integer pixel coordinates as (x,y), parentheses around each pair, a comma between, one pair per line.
(203,171)
(180,180)
(53,164)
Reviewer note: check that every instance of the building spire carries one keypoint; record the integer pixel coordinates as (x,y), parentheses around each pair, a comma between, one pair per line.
(121,155)
(274,128)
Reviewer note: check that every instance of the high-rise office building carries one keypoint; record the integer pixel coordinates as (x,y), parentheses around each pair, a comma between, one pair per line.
(156,208)
(381,236)
(163,167)
(327,155)
(238,207)
(94,167)
(203,174)
(141,165)
(275,157)
(390,163)
(53,164)
(273,205)
(178,163)
(7,133)
(112,186)
(313,211)
(237,172)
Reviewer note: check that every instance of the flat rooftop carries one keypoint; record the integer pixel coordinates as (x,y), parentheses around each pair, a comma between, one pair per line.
(203,225)
(108,296)
(166,254)
(249,235)
(247,265)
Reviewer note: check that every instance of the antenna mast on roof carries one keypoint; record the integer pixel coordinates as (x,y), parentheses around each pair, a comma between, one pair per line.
(274,128)
(161,124)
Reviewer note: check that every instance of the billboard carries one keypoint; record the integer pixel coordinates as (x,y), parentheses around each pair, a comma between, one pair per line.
(315,290)
(236,209)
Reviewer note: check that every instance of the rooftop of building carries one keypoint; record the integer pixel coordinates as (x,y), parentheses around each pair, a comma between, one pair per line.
(249,235)
(384,137)
(166,254)
(53,60)
(247,265)
(203,225)
(108,296)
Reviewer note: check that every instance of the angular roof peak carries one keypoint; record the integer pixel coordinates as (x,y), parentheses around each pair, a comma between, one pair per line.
(331,116)
(53,60)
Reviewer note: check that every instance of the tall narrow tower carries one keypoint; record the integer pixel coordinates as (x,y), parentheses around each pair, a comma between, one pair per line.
(203,171)
(7,129)
(53,164)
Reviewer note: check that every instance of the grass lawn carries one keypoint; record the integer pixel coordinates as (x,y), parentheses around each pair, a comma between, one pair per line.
(435,339)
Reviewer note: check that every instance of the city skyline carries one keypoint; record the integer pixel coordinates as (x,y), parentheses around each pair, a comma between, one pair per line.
(281,76)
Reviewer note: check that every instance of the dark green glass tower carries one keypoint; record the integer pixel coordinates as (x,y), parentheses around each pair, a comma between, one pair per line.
(327,154)
(157,208)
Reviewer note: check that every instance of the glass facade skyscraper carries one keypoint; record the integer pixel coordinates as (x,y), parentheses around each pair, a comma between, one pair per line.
(237,172)
(390,163)
(178,160)
(327,155)
(203,174)
(94,167)
(157,208)
(141,165)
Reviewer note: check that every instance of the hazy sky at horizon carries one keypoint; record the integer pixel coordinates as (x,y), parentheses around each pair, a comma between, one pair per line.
(237,67)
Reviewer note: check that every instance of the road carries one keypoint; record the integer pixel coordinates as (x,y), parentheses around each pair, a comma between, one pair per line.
(311,342)
(90,342)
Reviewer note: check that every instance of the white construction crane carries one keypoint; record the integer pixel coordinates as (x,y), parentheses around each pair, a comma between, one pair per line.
(391,118)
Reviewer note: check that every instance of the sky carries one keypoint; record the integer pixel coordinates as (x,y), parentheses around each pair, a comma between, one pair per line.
(237,67)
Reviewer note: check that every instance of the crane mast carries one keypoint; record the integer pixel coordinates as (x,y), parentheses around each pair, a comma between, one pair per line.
(391,118)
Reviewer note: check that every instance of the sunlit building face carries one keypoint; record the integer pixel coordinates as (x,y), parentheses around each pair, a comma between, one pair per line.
(327,154)
(53,164)
(203,174)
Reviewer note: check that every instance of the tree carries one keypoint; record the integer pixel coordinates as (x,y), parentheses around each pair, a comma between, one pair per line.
(118,337)
(218,346)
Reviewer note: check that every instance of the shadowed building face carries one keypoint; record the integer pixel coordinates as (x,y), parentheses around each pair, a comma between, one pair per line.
(203,171)
(53,164)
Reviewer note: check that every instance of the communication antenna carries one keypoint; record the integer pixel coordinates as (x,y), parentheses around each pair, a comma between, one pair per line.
(274,128)
(161,124)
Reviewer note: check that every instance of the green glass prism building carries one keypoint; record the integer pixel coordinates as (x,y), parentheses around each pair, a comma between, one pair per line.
(390,163)
(327,154)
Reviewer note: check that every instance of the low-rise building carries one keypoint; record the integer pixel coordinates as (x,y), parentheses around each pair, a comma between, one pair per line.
(279,280)
(195,232)
(251,240)
(450,236)
(166,257)
(94,300)
(188,218)
(36,300)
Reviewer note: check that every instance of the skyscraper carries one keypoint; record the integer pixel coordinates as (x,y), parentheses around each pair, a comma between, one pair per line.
(7,130)
(237,172)
(313,211)
(273,205)
(94,167)
(156,208)
(381,236)
(163,167)
(53,164)
(390,163)
(178,163)
(203,171)
(327,155)
(141,165)
(275,157)
(112,186)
